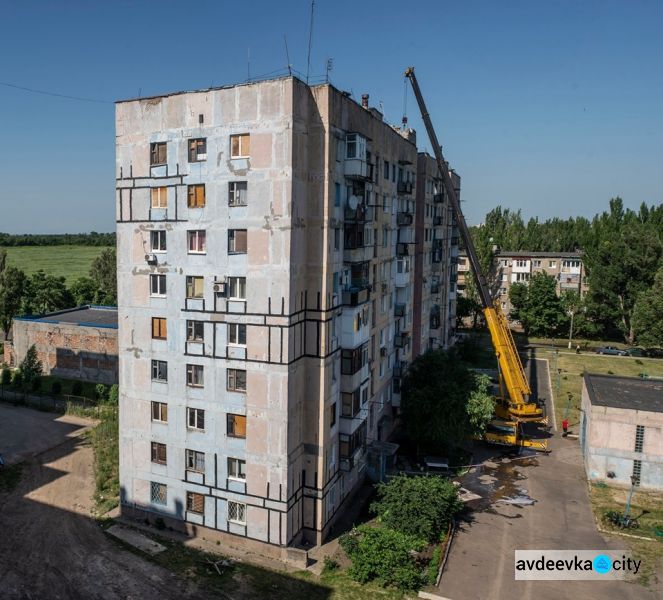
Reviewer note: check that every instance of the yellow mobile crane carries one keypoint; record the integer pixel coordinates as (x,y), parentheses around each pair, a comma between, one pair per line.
(513,406)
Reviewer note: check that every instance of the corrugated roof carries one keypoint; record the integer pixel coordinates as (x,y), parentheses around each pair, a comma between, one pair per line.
(631,393)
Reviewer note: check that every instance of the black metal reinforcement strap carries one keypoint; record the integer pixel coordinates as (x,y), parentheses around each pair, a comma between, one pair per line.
(484,294)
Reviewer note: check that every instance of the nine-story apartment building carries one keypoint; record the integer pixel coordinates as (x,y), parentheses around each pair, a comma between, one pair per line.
(269,302)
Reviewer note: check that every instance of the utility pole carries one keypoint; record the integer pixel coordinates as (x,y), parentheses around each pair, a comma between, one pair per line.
(627,510)
(571,312)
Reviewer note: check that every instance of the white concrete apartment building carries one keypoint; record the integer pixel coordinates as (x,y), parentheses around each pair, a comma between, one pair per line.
(262,314)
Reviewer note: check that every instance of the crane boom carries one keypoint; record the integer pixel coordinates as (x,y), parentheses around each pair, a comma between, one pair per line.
(513,382)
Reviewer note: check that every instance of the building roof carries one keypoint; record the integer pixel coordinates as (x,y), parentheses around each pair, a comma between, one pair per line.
(84,316)
(526,254)
(625,392)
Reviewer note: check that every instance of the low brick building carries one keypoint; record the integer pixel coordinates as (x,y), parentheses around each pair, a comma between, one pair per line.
(621,432)
(78,343)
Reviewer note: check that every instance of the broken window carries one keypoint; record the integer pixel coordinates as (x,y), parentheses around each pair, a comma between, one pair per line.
(195,331)
(159,453)
(197,150)
(158,154)
(237,193)
(237,241)
(160,197)
(159,370)
(195,461)
(240,145)
(196,195)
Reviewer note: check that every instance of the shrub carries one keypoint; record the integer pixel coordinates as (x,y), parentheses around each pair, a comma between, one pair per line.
(6,377)
(17,378)
(31,366)
(330,564)
(417,506)
(114,395)
(383,555)
(77,388)
(56,388)
(101,392)
(434,566)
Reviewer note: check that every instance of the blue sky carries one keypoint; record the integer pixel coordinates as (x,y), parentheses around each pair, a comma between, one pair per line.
(551,107)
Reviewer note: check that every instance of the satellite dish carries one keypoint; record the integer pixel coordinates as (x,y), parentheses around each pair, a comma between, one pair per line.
(353,202)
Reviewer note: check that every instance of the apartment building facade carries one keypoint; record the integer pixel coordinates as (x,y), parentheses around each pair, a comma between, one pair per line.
(265,304)
(518,267)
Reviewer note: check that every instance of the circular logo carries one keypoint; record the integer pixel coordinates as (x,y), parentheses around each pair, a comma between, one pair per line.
(602,564)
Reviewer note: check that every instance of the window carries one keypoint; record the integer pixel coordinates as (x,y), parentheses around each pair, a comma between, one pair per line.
(237,241)
(197,150)
(158,285)
(196,240)
(159,370)
(158,241)
(236,512)
(332,415)
(195,331)
(196,196)
(639,437)
(237,334)
(237,288)
(337,238)
(522,277)
(236,380)
(351,149)
(158,493)
(159,328)
(195,503)
(236,425)
(160,197)
(237,193)
(386,169)
(240,145)
(158,453)
(158,153)
(637,471)
(194,286)
(552,264)
(194,375)
(160,412)
(337,194)
(536,263)
(236,468)
(195,461)
(195,418)
(521,263)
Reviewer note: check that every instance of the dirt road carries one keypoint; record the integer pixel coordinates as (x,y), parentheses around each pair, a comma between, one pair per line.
(51,549)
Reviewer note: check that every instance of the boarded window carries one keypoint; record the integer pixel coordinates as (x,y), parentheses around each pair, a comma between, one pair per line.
(159,328)
(194,286)
(236,426)
(196,196)
(158,453)
(160,197)
(158,153)
(195,503)
(240,146)
(237,241)
(197,150)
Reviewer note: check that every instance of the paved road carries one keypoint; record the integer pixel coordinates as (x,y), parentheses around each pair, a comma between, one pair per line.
(25,432)
(51,549)
(481,562)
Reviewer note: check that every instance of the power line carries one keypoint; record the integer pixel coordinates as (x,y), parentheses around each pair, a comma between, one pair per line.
(45,93)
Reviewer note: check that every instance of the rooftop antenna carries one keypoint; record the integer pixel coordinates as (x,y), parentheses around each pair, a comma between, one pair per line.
(287,54)
(310,39)
(330,66)
(404,120)
(248,64)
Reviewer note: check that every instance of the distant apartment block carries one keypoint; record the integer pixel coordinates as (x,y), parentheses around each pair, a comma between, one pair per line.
(270,240)
(518,267)
(77,343)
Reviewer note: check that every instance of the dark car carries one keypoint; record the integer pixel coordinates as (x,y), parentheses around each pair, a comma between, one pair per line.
(636,352)
(611,350)
(655,352)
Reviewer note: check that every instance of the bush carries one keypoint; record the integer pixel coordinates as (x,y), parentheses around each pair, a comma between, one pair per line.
(77,388)
(383,555)
(101,391)
(330,564)
(114,395)
(418,506)
(6,377)
(17,378)
(434,566)
(56,388)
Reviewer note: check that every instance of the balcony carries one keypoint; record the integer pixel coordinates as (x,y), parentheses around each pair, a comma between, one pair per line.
(435,288)
(399,368)
(360,214)
(403,219)
(354,296)
(401,340)
(438,221)
(402,249)
(404,188)
(435,321)
(438,198)
(399,309)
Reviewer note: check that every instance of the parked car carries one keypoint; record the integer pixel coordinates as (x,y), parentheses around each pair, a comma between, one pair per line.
(636,352)
(611,350)
(655,352)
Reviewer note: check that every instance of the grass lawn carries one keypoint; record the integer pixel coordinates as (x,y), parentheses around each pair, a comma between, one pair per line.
(648,508)
(70,262)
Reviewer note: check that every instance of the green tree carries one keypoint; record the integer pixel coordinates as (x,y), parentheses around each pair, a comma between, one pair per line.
(84,291)
(46,293)
(518,297)
(13,284)
(383,555)
(466,307)
(435,396)
(31,366)
(544,313)
(648,314)
(417,506)
(480,405)
(104,273)
(114,395)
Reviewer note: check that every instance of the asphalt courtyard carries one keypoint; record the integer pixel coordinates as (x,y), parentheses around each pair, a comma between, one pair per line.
(528,501)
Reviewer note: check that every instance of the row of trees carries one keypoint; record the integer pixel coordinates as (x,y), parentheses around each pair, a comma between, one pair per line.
(623,258)
(64,239)
(40,293)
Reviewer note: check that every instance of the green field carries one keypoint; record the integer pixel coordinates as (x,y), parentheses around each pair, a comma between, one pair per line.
(70,262)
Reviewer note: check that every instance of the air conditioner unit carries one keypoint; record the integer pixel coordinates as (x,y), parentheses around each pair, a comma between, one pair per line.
(383,351)
(219,287)
(151,259)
